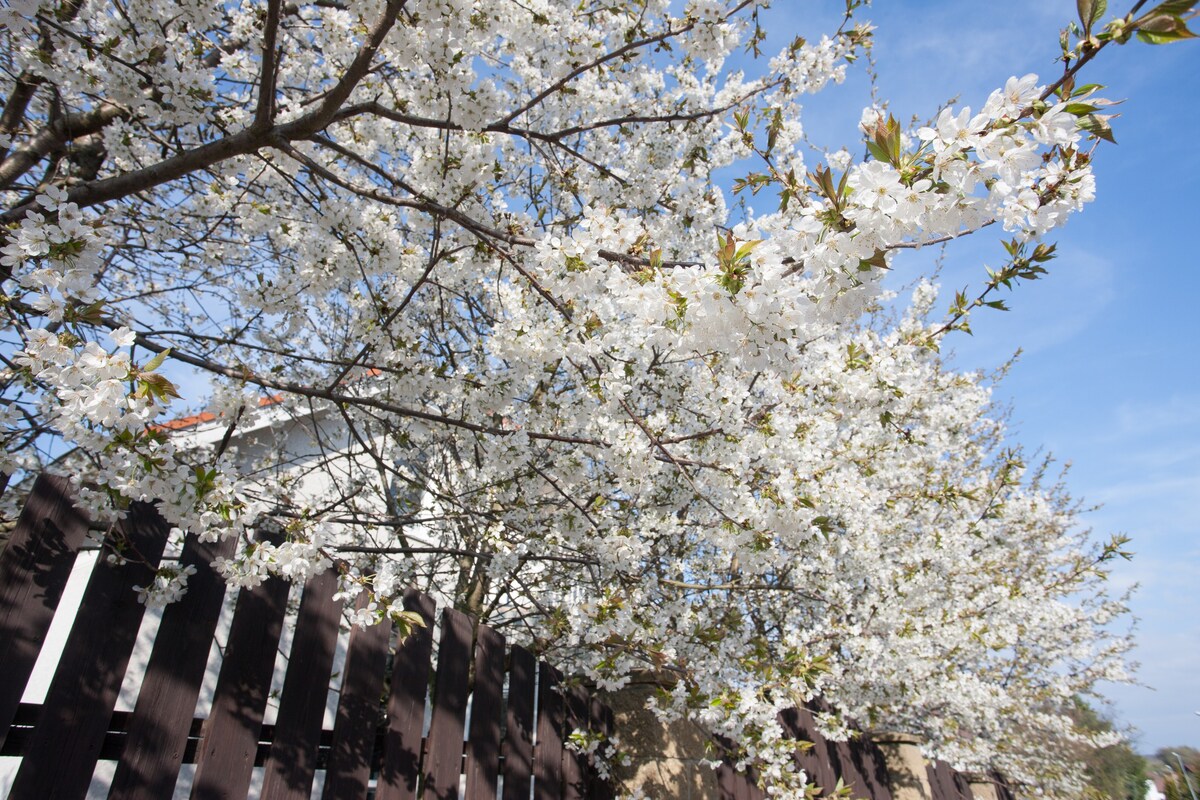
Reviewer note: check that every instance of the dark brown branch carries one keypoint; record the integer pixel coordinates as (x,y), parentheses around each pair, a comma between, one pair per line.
(637,263)
(54,136)
(14,109)
(265,111)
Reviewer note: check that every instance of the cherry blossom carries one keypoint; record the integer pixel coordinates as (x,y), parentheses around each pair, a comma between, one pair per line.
(479,313)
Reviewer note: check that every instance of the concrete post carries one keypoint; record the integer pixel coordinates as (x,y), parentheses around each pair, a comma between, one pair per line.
(906,767)
(665,758)
(982,787)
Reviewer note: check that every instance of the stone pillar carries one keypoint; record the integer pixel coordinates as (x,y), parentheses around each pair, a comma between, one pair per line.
(665,758)
(982,786)
(906,767)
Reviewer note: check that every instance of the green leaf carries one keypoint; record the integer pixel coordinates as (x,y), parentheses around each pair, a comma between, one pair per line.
(1162,23)
(157,387)
(1175,7)
(157,361)
(93,313)
(1089,12)
(773,129)
(744,251)
(877,152)
(1164,29)
(1098,126)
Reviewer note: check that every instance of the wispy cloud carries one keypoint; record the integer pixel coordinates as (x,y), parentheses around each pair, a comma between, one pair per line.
(1170,415)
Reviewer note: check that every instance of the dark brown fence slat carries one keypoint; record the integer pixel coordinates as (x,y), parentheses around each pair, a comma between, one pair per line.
(158,728)
(230,742)
(727,780)
(293,760)
(941,781)
(744,787)
(873,769)
(936,790)
(824,774)
(755,793)
(574,764)
(601,717)
(65,744)
(946,778)
(953,786)
(950,782)
(798,723)
(741,786)
(517,747)
(547,758)
(1003,788)
(963,786)
(406,707)
(487,706)
(844,766)
(444,746)
(359,712)
(34,568)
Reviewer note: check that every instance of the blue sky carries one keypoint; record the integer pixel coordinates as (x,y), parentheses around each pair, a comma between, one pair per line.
(1109,377)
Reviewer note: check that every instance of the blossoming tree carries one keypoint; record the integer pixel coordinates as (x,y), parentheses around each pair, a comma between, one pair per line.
(555,376)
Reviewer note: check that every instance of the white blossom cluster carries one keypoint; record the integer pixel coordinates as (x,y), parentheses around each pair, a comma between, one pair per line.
(170,584)
(482,320)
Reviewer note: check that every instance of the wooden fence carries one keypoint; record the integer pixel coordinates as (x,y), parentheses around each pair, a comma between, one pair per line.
(488,722)
(475,740)
(858,763)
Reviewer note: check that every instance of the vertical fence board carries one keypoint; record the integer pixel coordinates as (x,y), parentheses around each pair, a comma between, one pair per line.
(517,748)
(727,780)
(65,745)
(746,786)
(963,785)
(292,762)
(935,782)
(483,741)
(948,778)
(34,568)
(601,720)
(160,722)
(953,789)
(842,756)
(1003,788)
(873,770)
(359,712)
(943,781)
(574,764)
(230,735)
(444,747)
(548,751)
(406,707)
(955,783)
(798,723)
(824,773)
